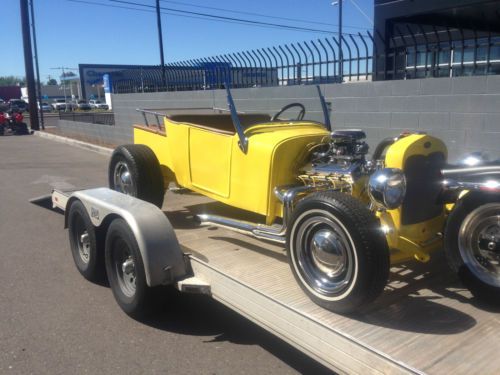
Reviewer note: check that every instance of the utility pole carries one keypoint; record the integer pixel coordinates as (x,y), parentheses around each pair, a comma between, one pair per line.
(160,39)
(39,88)
(341,54)
(64,87)
(63,78)
(28,64)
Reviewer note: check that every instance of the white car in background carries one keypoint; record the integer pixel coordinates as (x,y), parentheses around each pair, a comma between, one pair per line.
(97,104)
(59,105)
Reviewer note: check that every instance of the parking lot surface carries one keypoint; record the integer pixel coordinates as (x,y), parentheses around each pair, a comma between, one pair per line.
(55,322)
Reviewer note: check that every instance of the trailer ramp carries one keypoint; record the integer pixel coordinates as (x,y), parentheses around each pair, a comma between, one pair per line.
(425,322)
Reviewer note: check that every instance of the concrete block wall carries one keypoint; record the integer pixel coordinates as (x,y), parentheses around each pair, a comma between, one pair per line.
(100,134)
(463,111)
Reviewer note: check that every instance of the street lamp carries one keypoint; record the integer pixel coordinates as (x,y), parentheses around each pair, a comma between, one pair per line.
(341,55)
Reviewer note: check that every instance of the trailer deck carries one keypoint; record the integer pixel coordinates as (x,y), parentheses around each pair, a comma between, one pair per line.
(425,322)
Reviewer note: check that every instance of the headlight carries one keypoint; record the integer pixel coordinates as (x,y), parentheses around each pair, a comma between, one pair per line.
(387,188)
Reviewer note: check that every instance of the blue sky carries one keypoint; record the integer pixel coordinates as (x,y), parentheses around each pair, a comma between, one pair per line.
(69,33)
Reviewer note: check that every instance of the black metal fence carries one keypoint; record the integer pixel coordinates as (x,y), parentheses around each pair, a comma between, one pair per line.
(101,118)
(309,62)
(409,51)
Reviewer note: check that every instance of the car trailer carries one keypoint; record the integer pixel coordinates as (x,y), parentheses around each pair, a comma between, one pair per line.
(424,323)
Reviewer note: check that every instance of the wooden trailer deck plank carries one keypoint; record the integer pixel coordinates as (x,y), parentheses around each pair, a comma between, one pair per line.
(424,319)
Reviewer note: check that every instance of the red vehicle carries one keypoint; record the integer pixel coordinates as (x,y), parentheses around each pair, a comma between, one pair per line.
(3,121)
(15,124)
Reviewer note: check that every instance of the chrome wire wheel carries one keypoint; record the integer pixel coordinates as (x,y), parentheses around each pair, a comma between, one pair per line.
(124,267)
(479,243)
(324,255)
(123,180)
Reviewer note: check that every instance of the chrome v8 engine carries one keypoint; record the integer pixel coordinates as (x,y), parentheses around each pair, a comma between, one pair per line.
(338,163)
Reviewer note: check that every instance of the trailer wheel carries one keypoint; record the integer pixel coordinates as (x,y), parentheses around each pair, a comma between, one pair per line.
(472,245)
(337,252)
(83,242)
(125,270)
(135,170)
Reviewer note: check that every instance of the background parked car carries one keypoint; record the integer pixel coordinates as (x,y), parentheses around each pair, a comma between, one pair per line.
(45,107)
(83,105)
(97,104)
(59,105)
(3,105)
(18,105)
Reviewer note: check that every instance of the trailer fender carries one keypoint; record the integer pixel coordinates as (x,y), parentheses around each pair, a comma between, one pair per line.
(160,251)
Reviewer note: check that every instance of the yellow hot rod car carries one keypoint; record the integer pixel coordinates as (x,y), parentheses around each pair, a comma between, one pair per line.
(344,219)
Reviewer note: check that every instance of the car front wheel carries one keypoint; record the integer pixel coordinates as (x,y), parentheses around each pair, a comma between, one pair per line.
(472,245)
(337,252)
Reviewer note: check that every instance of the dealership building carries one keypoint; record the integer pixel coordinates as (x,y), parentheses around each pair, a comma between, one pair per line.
(181,76)
(428,38)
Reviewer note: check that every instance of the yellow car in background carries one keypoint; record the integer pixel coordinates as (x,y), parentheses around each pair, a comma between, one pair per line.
(344,219)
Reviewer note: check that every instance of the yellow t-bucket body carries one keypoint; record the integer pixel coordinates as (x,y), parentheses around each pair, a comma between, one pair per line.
(210,161)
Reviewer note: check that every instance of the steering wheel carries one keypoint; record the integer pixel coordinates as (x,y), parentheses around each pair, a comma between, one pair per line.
(300,116)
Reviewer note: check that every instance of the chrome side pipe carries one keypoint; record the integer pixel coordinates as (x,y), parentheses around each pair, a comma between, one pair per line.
(260,231)
(286,194)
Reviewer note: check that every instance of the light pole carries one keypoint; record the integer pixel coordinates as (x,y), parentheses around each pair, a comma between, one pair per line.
(28,64)
(160,39)
(63,80)
(37,70)
(341,55)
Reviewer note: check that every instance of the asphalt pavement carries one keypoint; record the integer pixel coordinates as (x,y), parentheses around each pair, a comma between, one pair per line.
(52,321)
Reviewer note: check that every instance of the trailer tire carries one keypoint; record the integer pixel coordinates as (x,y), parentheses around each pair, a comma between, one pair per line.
(88,258)
(125,270)
(135,170)
(337,253)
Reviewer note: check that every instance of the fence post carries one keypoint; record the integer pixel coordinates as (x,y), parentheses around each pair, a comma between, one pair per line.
(357,57)
(307,62)
(295,73)
(299,64)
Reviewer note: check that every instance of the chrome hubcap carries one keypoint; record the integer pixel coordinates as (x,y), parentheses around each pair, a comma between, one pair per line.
(324,254)
(479,243)
(81,240)
(84,247)
(128,276)
(128,267)
(123,179)
(328,253)
(124,266)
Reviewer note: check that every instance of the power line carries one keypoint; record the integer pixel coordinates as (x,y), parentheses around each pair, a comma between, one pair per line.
(110,6)
(254,14)
(362,12)
(252,22)
(87,2)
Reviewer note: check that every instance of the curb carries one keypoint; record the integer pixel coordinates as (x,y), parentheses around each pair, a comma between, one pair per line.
(74,142)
